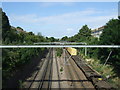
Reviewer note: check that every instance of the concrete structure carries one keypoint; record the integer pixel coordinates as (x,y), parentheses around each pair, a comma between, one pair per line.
(97,32)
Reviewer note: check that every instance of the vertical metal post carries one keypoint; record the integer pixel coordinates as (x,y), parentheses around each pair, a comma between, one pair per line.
(98,38)
(64,55)
(85,50)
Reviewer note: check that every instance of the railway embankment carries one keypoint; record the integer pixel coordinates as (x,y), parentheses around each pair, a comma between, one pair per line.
(107,71)
(25,71)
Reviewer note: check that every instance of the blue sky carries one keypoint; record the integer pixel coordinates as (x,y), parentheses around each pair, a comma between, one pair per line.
(59,19)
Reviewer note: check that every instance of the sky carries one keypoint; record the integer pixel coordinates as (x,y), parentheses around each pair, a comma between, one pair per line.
(58,19)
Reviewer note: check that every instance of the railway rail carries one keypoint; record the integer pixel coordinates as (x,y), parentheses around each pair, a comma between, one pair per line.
(47,74)
(76,73)
(41,64)
(57,72)
(43,77)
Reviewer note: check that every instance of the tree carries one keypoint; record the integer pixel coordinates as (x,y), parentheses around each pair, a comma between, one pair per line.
(19,28)
(111,33)
(5,26)
(83,35)
(85,32)
(30,33)
(64,38)
(39,34)
(52,39)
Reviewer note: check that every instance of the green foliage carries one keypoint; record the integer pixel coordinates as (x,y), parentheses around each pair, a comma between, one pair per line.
(59,51)
(111,33)
(19,28)
(83,35)
(51,39)
(65,38)
(61,69)
(85,32)
(5,25)
(119,17)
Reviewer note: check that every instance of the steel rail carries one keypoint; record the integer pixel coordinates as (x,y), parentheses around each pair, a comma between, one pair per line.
(70,73)
(81,67)
(76,72)
(44,73)
(57,71)
(41,64)
(78,76)
(50,73)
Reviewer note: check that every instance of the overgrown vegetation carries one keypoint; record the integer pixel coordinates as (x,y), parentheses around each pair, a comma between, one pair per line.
(107,71)
(59,51)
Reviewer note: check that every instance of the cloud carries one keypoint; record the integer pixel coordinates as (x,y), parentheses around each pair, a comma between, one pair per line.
(32,18)
(119,8)
(47,4)
(51,4)
(69,29)
(86,16)
(54,25)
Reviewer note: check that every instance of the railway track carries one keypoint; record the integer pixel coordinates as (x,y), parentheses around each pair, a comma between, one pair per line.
(97,80)
(57,71)
(47,74)
(41,64)
(76,73)
(84,67)
(71,77)
(43,77)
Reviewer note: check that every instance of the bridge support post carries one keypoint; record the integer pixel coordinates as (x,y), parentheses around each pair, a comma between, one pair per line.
(85,51)
(64,55)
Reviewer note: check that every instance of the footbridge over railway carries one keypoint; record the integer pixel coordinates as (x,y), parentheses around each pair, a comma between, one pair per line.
(64,44)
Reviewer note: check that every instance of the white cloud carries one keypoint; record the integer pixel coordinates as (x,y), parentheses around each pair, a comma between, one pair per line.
(60,22)
(87,16)
(34,18)
(69,29)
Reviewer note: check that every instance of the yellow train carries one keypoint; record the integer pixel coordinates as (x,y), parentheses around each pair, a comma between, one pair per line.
(71,50)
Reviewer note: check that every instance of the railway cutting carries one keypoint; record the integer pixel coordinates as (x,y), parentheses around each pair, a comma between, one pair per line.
(55,72)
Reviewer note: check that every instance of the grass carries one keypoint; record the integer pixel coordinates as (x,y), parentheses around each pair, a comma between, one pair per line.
(61,69)
(21,84)
(59,52)
(105,70)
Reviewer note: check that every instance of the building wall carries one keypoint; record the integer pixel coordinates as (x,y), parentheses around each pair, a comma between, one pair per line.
(97,32)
